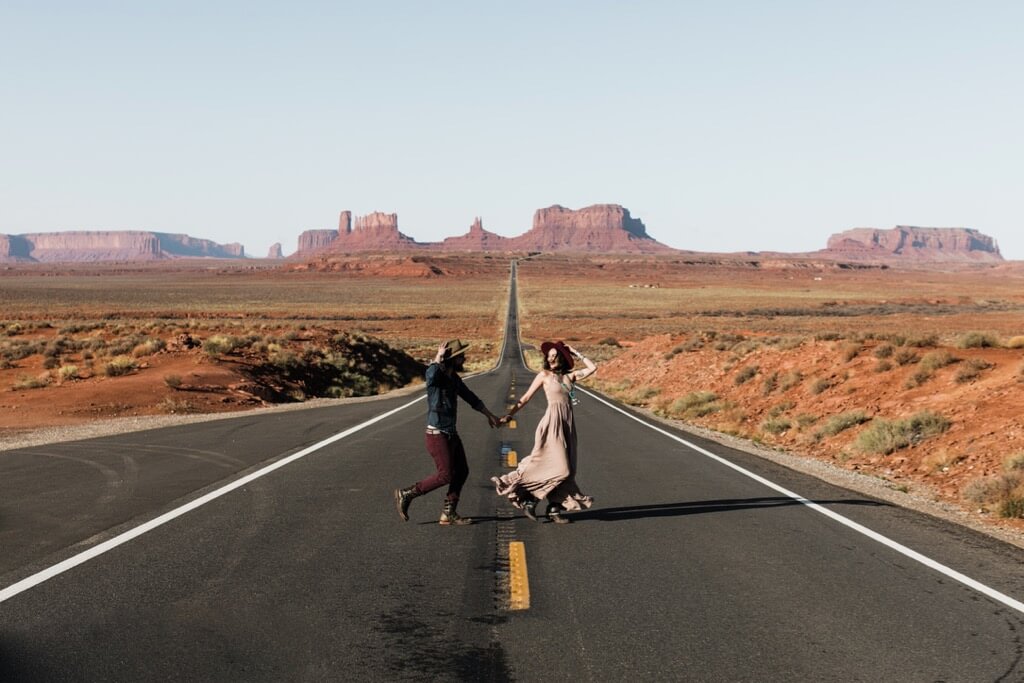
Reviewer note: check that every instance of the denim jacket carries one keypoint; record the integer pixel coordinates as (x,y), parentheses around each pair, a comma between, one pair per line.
(442,398)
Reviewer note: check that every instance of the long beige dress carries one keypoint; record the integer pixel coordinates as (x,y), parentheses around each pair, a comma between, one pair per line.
(550,470)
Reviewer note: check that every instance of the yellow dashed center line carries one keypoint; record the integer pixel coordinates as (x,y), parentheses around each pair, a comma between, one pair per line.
(519,581)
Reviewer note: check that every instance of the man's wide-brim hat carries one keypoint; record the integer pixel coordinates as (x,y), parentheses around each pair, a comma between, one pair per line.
(567,361)
(454,347)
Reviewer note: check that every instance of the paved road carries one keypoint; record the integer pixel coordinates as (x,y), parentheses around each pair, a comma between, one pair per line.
(689,568)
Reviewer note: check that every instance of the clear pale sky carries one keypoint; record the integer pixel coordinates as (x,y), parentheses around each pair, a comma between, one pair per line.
(724,126)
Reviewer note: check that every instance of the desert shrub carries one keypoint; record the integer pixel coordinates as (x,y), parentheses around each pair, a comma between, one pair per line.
(828,336)
(1015,342)
(917,378)
(14,329)
(842,422)
(923,342)
(696,404)
(988,490)
(148,347)
(746,347)
(770,384)
(977,340)
(609,341)
(804,420)
(885,436)
(1012,507)
(645,394)
(819,385)
(851,351)
(119,365)
(222,344)
(29,382)
(776,425)
(68,372)
(905,357)
(780,408)
(745,374)
(177,406)
(6,364)
(933,360)
(1014,462)
(791,379)
(884,351)
(173,381)
(971,369)
(50,362)
(883,366)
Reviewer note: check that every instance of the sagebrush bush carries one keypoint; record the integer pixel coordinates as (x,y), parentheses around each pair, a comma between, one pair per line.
(851,351)
(609,341)
(884,351)
(971,369)
(820,385)
(173,381)
(926,341)
(977,340)
(696,404)
(776,425)
(842,422)
(885,436)
(933,360)
(220,344)
(68,372)
(883,366)
(29,382)
(905,357)
(790,380)
(120,365)
(745,374)
(770,384)
(1015,342)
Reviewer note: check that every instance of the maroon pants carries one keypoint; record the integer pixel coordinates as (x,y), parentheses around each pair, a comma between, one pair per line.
(452,469)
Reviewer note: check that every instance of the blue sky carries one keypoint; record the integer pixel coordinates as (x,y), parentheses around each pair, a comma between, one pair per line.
(724,126)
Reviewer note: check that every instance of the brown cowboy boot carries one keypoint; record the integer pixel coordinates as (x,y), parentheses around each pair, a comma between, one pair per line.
(402,499)
(450,517)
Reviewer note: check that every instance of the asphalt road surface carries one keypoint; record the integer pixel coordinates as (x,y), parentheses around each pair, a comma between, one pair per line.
(268,549)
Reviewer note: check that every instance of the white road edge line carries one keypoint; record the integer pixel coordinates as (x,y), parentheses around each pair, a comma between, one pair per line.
(86,555)
(874,535)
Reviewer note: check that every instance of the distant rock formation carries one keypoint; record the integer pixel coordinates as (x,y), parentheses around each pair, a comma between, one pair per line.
(112,245)
(910,243)
(598,228)
(376,231)
(275,251)
(477,239)
(605,228)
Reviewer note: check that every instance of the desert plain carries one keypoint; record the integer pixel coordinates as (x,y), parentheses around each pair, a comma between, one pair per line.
(912,375)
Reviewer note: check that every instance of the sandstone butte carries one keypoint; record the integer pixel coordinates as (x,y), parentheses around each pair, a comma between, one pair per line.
(110,245)
(601,228)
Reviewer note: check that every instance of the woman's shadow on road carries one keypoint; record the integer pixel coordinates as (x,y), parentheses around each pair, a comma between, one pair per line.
(700,507)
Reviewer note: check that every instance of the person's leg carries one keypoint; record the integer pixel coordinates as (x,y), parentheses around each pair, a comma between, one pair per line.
(438,447)
(459,468)
(459,474)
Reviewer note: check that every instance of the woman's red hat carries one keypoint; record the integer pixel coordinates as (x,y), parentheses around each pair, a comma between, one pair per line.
(562,351)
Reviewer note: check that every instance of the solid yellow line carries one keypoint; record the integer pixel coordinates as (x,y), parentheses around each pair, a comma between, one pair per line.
(518,581)
(513,459)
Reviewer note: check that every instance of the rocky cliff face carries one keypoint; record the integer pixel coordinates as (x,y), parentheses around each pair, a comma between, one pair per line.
(598,228)
(114,245)
(275,251)
(910,243)
(314,240)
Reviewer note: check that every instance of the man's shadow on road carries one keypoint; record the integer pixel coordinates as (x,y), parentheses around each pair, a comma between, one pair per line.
(701,507)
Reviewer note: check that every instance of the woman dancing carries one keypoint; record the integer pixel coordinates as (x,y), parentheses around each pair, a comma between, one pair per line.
(549,472)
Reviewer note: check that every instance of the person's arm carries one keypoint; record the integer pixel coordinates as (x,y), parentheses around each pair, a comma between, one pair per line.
(435,366)
(474,401)
(537,382)
(590,369)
